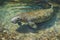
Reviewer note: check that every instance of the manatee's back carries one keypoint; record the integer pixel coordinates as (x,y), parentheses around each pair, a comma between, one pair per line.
(38,16)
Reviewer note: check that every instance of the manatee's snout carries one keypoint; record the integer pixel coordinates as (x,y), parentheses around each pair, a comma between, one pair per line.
(15,20)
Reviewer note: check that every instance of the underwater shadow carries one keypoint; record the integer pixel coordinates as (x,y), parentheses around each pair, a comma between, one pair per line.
(2,2)
(47,24)
(40,26)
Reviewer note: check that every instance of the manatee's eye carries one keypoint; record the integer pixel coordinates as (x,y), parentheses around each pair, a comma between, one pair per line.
(18,18)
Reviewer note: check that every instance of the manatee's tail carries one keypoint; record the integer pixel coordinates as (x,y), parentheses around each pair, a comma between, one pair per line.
(50,4)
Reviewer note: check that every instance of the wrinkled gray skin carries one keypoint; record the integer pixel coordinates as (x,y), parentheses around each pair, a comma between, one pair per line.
(34,17)
(19,21)
(15,20)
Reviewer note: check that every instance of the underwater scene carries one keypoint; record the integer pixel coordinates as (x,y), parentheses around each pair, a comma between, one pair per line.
(29,19)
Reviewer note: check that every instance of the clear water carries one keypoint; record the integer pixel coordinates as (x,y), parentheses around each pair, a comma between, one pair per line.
(7,12)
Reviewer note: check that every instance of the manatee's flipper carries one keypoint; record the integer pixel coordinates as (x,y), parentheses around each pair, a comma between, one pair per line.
(19,23)
(32,24)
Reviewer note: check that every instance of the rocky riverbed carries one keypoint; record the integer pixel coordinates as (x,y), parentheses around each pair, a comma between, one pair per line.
(10,31)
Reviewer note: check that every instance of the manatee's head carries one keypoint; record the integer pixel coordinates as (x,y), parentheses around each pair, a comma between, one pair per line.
(16,19)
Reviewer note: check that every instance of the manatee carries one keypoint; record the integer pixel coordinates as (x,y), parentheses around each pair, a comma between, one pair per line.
(31,18)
